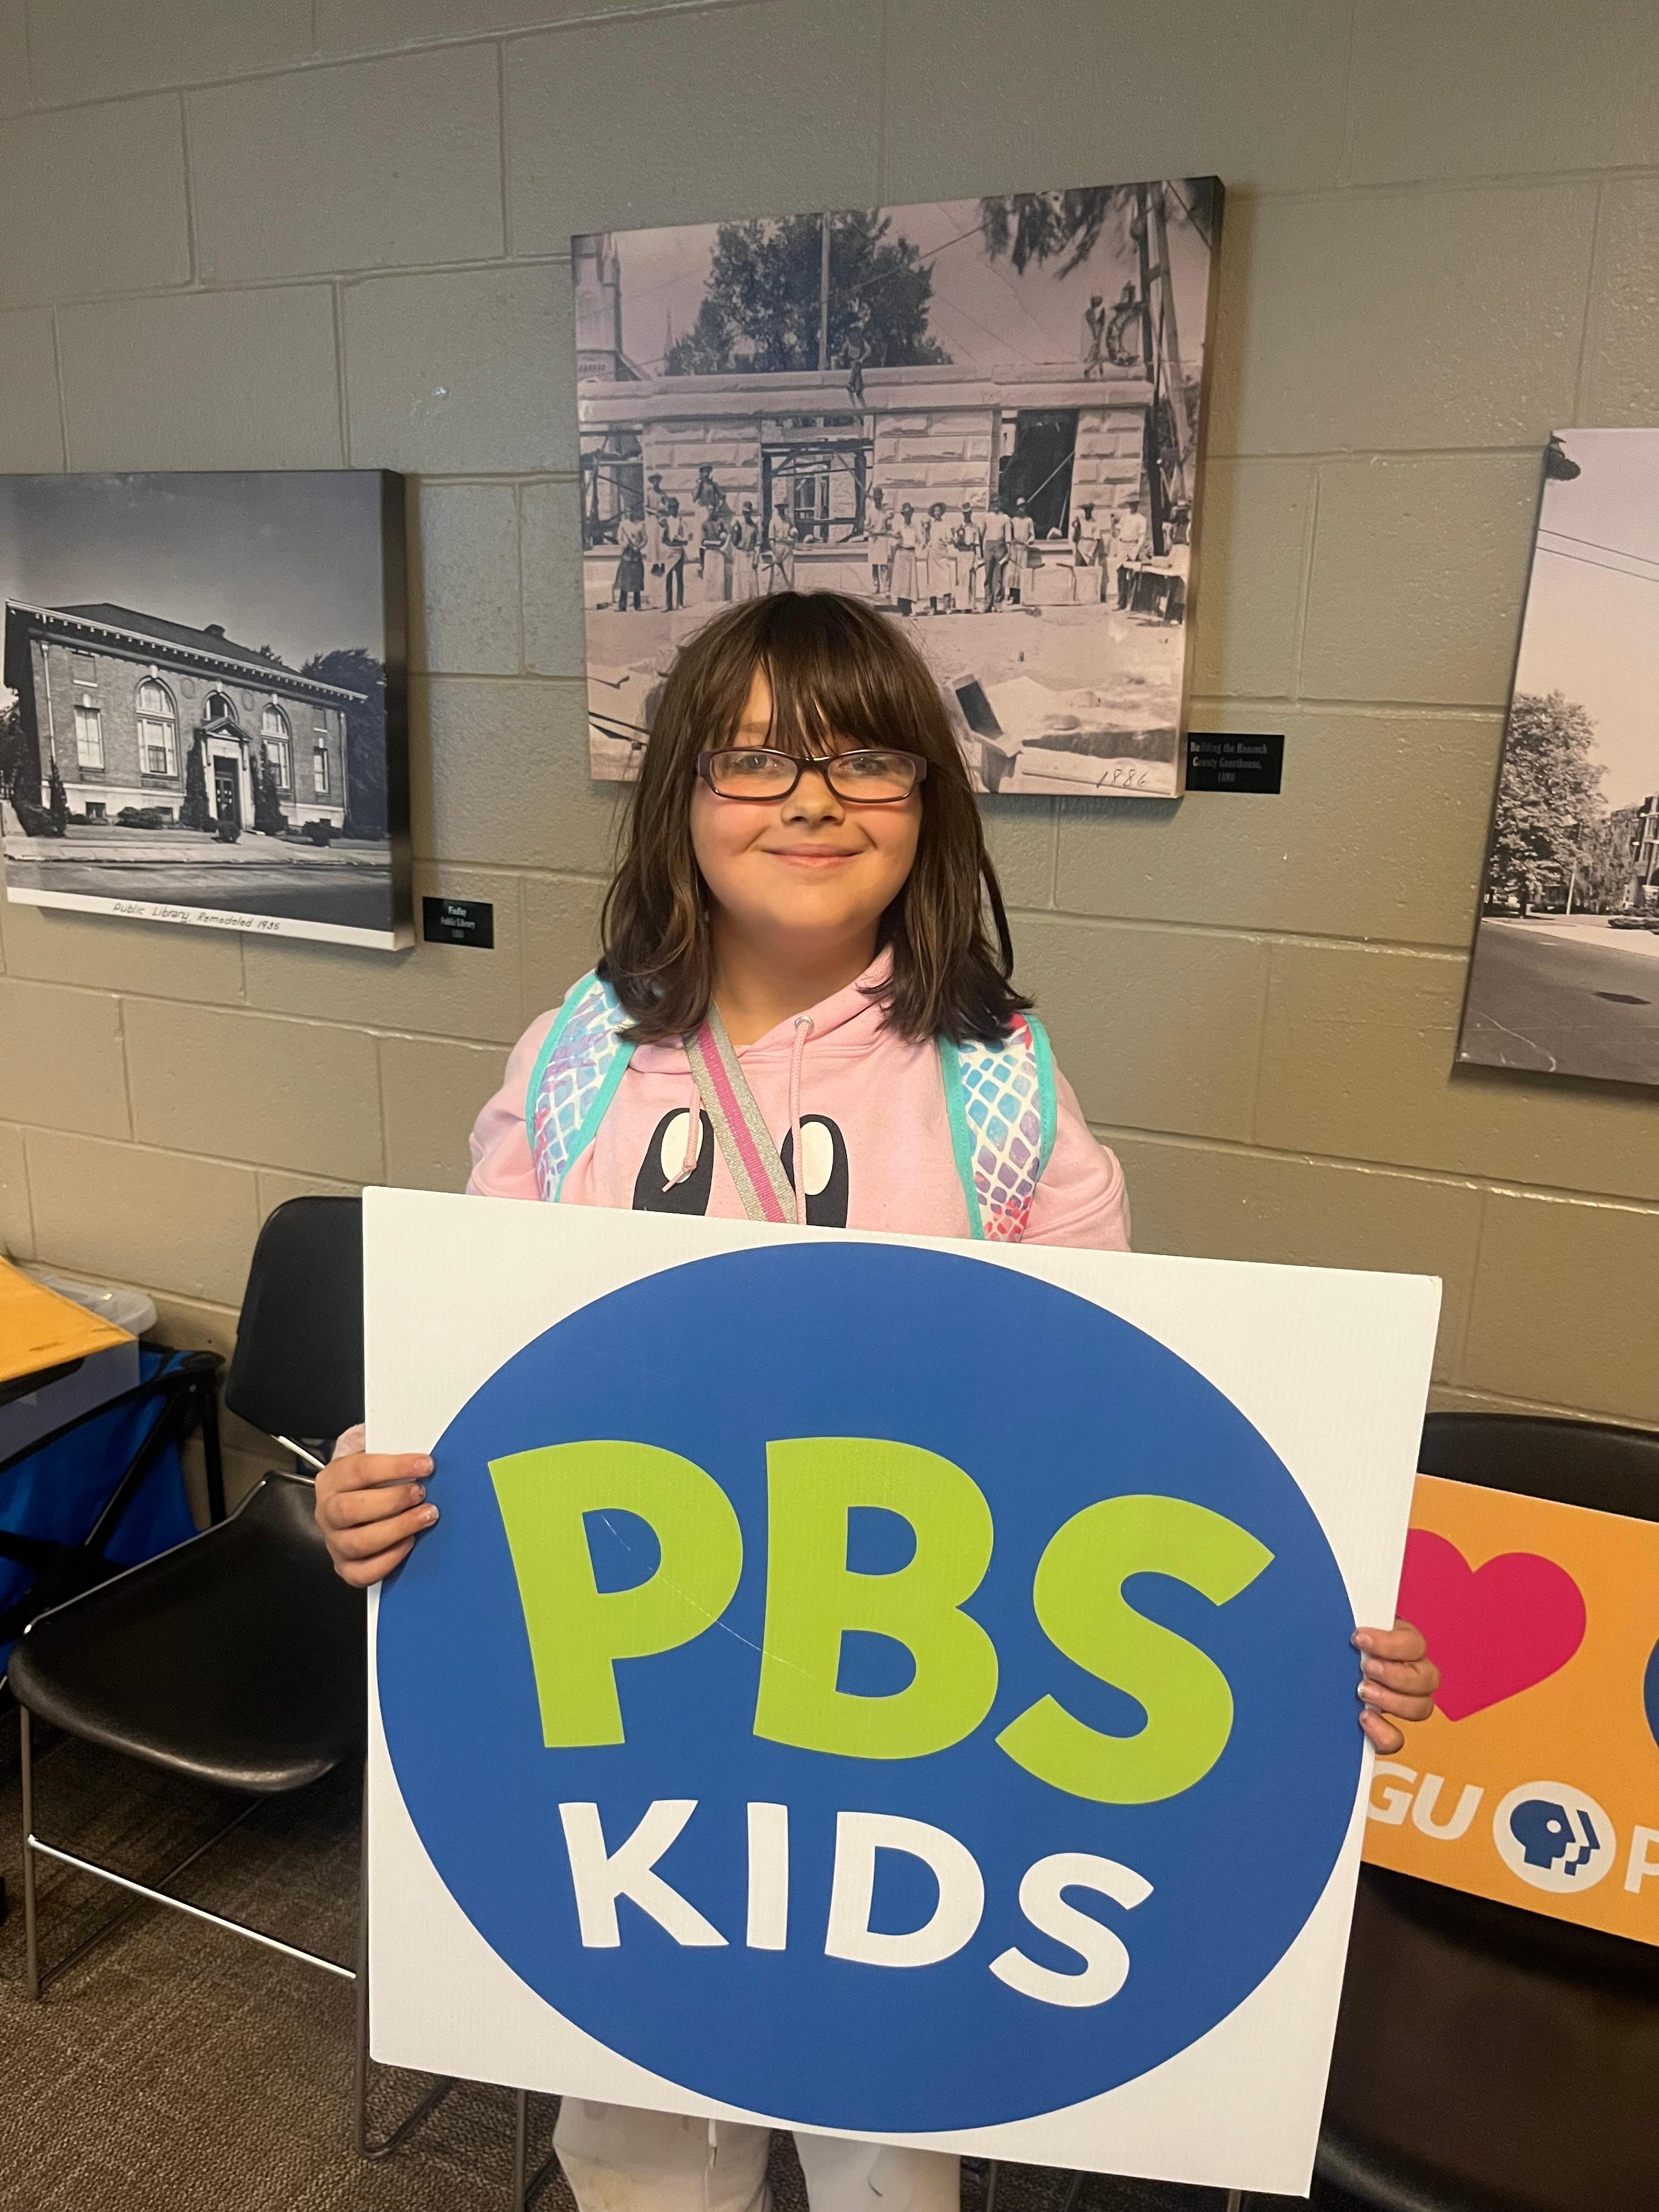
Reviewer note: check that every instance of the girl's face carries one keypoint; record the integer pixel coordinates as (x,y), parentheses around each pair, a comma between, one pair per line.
(811,868)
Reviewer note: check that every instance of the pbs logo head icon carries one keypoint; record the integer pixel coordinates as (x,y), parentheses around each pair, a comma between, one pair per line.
(1554,1836)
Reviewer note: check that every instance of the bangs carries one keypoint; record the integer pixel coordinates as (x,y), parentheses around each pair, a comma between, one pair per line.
(807,725)
(838,685)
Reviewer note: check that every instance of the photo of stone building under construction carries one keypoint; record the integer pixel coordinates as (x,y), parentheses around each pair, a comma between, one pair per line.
(986,416)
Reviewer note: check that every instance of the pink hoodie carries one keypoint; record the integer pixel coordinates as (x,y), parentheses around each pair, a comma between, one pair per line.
(874,1133)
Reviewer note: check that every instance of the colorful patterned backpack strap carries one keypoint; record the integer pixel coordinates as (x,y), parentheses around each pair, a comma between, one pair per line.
(1000,1099)
(573,1080)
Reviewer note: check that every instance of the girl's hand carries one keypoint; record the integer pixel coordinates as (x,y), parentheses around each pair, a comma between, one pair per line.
(1398,1677)
(371,1506)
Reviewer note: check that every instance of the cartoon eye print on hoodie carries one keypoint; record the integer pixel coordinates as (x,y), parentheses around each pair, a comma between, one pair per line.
(655,1190)
(824,1150)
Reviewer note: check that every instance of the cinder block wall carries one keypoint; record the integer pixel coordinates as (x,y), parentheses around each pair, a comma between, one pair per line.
(299,233)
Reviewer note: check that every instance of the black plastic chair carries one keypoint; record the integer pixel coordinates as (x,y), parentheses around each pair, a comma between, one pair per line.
(236,1659)
(1532,2046)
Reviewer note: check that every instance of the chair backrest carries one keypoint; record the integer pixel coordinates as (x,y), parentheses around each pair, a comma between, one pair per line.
(1611,1470)
(297,1370)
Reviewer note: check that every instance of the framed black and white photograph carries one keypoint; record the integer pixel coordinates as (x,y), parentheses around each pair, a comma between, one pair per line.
(985,416)
(1564,978)
(202,718)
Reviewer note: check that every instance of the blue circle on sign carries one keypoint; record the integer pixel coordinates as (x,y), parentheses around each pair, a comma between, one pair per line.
(1650,1693)
(1050,1404)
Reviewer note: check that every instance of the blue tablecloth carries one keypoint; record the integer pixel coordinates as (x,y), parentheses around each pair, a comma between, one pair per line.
(58,1491)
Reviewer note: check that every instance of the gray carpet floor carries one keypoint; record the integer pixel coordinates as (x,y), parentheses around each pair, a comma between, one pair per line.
(176,2069)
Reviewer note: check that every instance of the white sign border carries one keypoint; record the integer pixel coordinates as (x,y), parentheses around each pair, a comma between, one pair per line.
(1331,1366)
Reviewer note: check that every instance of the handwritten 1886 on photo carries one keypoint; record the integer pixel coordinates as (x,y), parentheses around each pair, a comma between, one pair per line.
(985,416)
(201,718)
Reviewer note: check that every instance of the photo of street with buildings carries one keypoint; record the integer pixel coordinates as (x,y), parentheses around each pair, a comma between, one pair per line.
(201,709)
(1565,975)
(985,416)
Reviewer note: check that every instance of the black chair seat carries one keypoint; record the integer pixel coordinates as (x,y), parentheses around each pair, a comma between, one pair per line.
(1593,1463)
(1489,2059)
(236,1659)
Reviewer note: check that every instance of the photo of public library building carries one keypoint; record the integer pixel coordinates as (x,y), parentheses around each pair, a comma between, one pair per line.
(118,699)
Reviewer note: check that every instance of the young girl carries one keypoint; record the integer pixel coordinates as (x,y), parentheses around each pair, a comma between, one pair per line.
(799,1011)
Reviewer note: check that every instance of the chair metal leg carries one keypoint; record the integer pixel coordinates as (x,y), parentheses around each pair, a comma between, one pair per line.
(993,2174)
(35,1980)
(31,1927)
(143,1894)
(520,2147)
(1235,2200)
(365,2147)
(542,2176)
(360,2029)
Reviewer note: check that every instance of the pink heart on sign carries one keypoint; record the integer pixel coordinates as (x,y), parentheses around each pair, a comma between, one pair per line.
(1493,1630)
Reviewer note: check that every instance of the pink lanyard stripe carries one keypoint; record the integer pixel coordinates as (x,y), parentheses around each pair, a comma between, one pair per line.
(732,1124)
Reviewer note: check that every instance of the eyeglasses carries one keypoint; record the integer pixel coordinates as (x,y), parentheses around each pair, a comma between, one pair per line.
(875,777)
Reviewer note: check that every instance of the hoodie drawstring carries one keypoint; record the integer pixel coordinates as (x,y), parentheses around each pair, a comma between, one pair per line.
(802,1030)
(693,1135)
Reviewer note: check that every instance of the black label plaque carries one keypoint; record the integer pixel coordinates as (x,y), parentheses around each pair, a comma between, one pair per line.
(459,921)
(1221,760)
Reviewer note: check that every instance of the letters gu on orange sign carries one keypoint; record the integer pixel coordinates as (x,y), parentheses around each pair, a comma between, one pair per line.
(1537,1781)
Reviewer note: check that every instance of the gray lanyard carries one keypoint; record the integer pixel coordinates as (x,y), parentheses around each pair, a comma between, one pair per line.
(740,1131)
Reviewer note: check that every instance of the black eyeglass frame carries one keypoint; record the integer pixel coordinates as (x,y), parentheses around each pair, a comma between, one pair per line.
(823,763)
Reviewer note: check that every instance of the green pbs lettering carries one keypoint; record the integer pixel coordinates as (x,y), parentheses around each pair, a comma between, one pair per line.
(1080,1602)
(577,1631)
(813,1599)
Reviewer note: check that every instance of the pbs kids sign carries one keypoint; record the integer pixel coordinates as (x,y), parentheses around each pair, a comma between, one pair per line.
(855,1683)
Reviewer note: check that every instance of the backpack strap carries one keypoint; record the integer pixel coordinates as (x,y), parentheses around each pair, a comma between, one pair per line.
(573,1080)
(1001,1100)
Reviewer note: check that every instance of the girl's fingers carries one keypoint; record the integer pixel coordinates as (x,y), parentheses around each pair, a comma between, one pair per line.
(1399,1681)
(1402,1641)
(360,1573)
(361,1544)
(371,1506)
(1407,1706)
(356,1509)
(372,1470)
(1383,1734)
(1421,1677)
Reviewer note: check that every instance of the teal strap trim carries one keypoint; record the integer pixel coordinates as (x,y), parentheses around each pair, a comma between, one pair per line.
(961,1144)
(1047,1105)
(561,1022)
(620,1057)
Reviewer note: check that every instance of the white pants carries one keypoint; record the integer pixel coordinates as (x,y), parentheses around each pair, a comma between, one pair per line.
(620,2160)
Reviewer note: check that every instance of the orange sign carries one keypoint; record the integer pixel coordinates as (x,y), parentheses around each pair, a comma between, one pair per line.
(1537,1781)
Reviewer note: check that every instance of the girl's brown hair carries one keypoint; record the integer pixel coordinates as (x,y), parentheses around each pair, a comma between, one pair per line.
(841,678)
